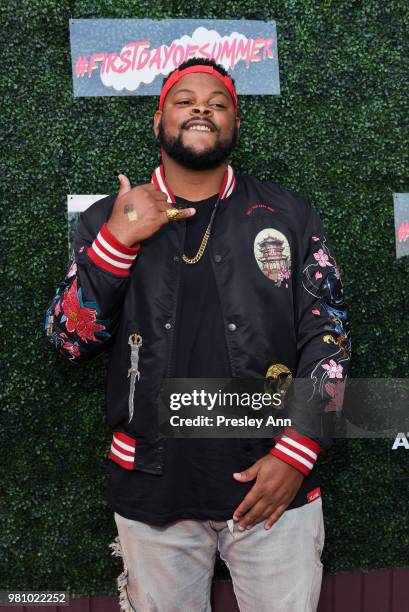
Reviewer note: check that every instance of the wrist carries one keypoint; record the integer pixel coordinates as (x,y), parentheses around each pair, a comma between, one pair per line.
(121,236)
(109,253)
(297,450)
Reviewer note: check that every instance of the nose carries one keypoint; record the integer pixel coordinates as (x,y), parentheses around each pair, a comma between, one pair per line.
(201,109)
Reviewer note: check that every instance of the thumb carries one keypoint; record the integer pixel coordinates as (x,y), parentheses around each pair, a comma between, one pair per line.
(124,184)
(248,474)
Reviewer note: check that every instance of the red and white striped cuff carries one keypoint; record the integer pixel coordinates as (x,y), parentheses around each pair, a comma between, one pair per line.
(297,450)
(109,253)
(123,450)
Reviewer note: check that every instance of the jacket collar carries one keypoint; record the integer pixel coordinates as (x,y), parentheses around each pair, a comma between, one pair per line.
(228,183)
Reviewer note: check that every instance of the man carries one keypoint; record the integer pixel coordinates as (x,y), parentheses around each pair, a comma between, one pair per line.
(204,273)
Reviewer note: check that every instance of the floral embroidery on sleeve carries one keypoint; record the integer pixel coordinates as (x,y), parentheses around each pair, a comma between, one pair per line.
(333,369)
(322,280)
(71,322)
(79,316)
(336,393)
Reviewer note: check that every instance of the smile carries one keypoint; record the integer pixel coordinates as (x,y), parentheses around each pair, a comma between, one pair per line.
(199,128)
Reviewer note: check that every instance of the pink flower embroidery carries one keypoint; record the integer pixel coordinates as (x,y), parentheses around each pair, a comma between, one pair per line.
(283,273)
(318,275)
(315,311)
(322,258)
(73,349)
(315,238)
(333,369)
(79,318)
(336,392)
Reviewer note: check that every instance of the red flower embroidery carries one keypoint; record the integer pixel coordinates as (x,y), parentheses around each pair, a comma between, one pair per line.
(72,349)
(79,318)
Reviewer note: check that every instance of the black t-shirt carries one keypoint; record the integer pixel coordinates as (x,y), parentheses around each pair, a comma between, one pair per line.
(197,480)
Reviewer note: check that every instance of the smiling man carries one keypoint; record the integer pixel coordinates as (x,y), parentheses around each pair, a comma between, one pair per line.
(204,273)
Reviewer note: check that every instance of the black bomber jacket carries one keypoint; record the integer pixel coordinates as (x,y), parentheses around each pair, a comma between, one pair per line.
(282,303)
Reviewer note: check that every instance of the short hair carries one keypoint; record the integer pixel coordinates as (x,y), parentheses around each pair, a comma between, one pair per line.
(200,61)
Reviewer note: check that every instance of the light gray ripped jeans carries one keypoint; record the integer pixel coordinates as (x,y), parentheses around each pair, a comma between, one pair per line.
(170,568)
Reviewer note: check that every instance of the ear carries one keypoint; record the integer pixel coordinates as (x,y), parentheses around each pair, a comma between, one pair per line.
(156,121)
(238,122)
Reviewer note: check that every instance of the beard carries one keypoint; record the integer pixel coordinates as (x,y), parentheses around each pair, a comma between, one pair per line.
(189,158)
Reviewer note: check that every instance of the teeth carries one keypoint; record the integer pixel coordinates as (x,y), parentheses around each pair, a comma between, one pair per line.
(200,128)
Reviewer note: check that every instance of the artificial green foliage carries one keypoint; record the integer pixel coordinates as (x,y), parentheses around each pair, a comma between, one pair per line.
(338,134)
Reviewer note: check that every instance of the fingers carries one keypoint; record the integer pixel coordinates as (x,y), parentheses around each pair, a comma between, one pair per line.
(124,184)
(274,516)
(183,214)
(152,191)
(248,474)
(248,502)
(162,205)
(150,187)
(261,510)
(159,196)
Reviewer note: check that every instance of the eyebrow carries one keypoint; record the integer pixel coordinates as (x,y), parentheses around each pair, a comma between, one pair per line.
(213,93)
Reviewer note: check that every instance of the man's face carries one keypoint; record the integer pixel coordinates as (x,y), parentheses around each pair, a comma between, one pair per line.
(198,127)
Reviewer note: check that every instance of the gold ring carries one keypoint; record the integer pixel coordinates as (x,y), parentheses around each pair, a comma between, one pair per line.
(173,213)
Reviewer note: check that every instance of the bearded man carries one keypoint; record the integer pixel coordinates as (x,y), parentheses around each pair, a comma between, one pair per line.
(205,273)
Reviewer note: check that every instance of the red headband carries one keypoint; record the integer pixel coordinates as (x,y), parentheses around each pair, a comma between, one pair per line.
(226,80)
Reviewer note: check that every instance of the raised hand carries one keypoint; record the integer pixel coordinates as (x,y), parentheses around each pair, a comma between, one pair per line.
(139,212)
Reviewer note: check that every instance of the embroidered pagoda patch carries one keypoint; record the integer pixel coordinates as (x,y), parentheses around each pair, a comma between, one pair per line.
(273,256)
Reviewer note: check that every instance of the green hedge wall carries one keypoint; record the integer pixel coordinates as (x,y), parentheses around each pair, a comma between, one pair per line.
(338,134)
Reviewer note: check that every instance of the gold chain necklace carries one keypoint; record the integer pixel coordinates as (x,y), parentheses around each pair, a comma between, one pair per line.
(205,240)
